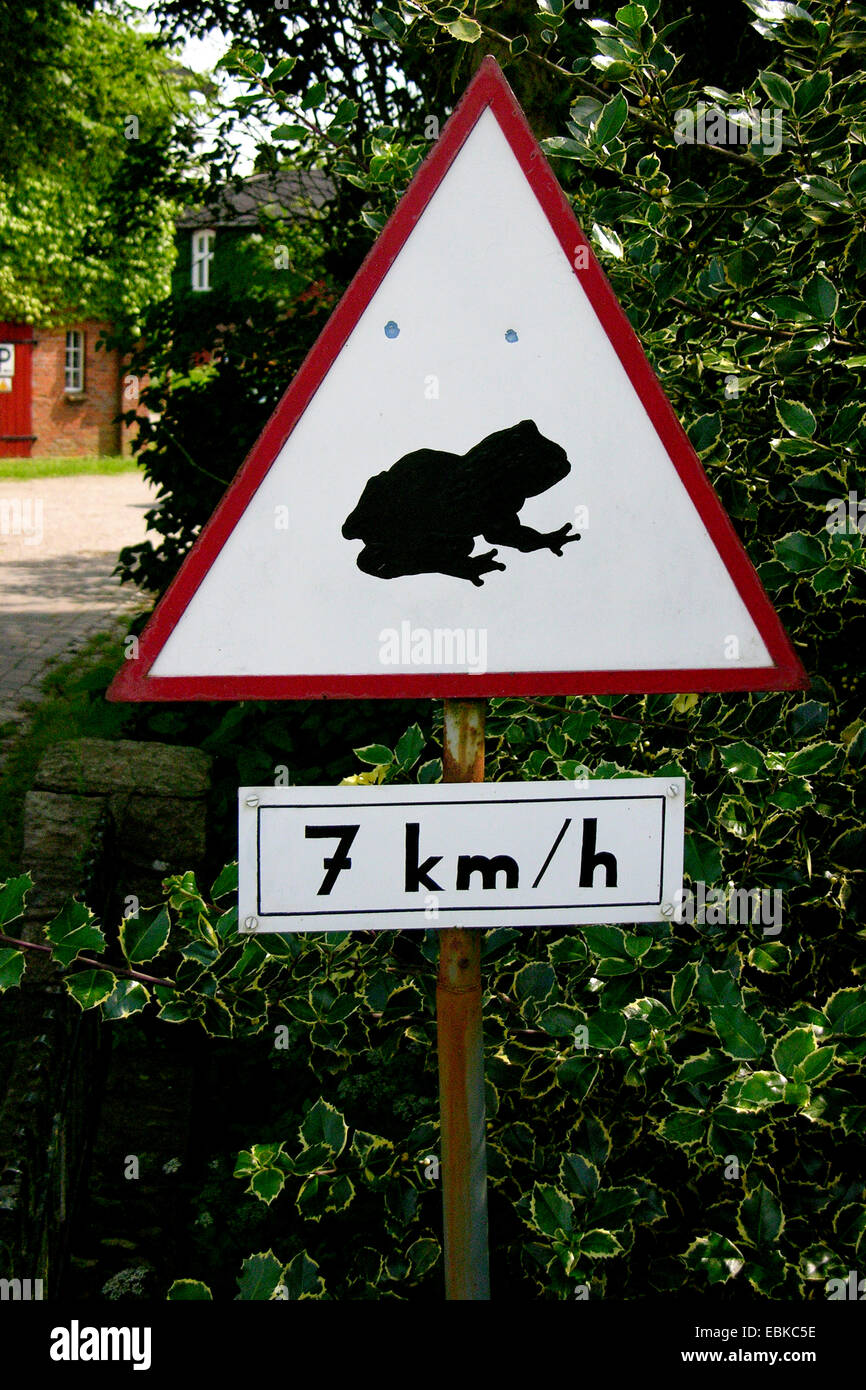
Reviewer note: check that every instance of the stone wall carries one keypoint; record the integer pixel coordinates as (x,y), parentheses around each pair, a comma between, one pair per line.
(112,818)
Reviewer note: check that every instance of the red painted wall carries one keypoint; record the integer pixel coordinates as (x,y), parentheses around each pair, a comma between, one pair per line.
(15,405)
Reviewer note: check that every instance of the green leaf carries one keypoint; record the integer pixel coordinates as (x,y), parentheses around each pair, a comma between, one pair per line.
(741,268)
(817,1063)
(631,16)
(778,89)
(346,112)
(797,419)
(740,1035)
(375,753)
(809,718)
(551,1210)
(12,966)
(291,131)
(706,1069)
(821,299)
(702,860)
(423,1255)
(613,1207)
(850,1223)
(90,988)
(127,997)
(607,240)
(760,1089)
(143,936)
(579,726)
(822,190)
(800,552)
(466,30)
(72,931)
(315,96)
(606,1029)
(593,1141)
(760,1217)
(787,308)
(611,120)
(716,986)
(267,1184)
(226,881)
(535,982)
(578,1175)
(259,1277)
(683,1127)
(812,759)
(846,1011)
(793,1048)
(409,747)
(719,1259)
(744,762)
(281,69)
(683,985)
(430,772)
(302,1278)
(12,895)
(324,1125)
(703,434)
(810,93)
(599,1245)
(560,1022)
(189,1291)
(339,1193)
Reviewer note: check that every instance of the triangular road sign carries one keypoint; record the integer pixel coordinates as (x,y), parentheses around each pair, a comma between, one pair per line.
(478,389)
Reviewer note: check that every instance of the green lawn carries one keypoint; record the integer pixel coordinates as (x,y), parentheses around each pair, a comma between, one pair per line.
(65,467)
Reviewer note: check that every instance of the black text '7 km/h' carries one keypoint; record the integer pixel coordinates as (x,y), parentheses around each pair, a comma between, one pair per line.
(470,868)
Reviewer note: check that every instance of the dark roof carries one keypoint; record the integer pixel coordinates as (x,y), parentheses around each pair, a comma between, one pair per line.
(288,190)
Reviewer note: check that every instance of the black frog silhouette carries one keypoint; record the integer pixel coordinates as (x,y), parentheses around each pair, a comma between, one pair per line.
(424,513)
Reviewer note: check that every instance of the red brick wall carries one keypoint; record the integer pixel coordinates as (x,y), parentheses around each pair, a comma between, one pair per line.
(80,424)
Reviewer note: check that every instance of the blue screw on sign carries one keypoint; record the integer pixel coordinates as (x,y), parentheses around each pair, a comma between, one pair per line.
(392,329)
(511,336)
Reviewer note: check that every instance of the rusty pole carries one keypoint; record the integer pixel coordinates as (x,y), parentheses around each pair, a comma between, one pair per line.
(461,1053)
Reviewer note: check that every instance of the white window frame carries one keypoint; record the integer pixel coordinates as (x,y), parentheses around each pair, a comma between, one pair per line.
(74,362)
(202,255)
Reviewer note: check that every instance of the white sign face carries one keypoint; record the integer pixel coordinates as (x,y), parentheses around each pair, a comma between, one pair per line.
(7,359)
(460,855)
(475,474)
(481,263)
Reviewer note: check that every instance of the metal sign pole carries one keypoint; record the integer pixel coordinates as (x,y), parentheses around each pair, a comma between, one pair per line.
(461,1053)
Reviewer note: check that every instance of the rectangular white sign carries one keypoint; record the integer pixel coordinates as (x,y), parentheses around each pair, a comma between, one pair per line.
(7,359)
(490,854)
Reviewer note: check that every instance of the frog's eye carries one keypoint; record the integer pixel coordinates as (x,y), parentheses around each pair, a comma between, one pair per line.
(511,336)
(392,329)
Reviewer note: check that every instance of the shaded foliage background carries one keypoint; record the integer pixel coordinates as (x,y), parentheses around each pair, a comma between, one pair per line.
(611,1165)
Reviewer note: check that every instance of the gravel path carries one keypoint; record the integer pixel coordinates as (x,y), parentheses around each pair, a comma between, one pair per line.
(59,541)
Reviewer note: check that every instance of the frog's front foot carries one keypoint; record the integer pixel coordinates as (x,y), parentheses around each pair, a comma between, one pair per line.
(557,539)
(482,564)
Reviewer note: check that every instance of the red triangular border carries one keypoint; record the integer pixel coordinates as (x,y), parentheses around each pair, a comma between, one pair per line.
(487,89)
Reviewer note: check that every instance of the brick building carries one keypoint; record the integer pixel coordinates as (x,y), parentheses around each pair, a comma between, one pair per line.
(61,394)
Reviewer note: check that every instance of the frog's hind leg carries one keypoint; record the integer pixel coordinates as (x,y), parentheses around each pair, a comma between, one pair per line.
(470,567)
(452,558)
(382,563)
